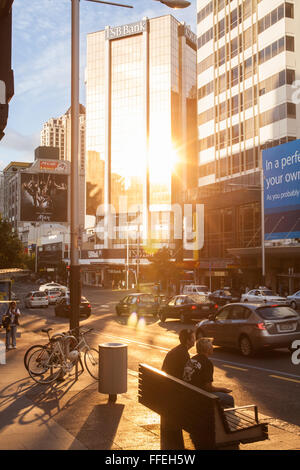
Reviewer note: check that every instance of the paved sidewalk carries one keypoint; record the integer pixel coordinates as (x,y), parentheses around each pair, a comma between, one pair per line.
(74,415)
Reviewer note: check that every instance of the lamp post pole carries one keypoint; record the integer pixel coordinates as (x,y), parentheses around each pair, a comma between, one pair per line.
(75,285)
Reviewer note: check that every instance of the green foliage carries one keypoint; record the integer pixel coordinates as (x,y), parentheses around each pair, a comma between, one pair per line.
(12,253)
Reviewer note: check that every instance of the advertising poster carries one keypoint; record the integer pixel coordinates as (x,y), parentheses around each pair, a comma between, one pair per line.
(44,197)
(281,171)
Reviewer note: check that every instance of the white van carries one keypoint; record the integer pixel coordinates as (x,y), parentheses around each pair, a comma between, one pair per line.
(196,289)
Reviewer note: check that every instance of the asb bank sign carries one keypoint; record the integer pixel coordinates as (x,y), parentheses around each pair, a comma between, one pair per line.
(281,171)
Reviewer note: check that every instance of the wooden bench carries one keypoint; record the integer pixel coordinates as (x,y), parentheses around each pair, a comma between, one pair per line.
(183,406)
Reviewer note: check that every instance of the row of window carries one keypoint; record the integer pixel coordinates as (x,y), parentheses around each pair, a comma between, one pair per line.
(286,43)
(226,24)
(284,77)
(237,103)
(241,102)
(247,160)
(249,128)
(242,161)
(286,10)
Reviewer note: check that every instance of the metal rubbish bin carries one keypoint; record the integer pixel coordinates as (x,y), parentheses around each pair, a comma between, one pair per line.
(112,369)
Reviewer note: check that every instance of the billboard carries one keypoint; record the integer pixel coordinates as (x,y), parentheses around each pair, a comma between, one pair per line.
(281,172)
(44,197)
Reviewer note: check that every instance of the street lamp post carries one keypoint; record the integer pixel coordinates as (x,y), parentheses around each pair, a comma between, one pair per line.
(75,286)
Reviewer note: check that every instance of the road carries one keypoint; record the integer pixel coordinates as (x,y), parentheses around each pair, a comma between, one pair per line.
(269,379)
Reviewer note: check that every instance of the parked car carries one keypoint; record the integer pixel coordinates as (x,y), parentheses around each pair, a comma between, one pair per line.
(52,285)
(223,297)
(196,289)
(262,295)
(139,304)
(186,307)
(53,295)
(252,327)
(294,300)
(36,299)
(63,307)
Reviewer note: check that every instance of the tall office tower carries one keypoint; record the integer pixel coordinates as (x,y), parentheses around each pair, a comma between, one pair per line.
(246,67)
(140,120)
(57,133)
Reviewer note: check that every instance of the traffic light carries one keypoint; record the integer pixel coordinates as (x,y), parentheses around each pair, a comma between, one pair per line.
(6,74)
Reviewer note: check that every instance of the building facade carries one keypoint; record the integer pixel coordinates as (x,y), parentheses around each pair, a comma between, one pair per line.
(246,68)
(140,127)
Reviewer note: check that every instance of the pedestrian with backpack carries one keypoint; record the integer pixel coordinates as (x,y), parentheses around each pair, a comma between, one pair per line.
(10,322)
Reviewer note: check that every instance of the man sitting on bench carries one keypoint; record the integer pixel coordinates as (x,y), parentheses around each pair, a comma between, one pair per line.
(199,371)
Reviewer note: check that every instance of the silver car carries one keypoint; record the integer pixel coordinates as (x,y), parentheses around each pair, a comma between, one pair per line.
(262,295)
(252,327)
(294,300)
(36,299)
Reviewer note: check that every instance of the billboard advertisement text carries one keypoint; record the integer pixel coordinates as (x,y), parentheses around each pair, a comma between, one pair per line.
(281,167)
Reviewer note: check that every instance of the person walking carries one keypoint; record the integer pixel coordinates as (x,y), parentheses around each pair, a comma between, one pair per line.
(10,322)
(173,364)
(199,371)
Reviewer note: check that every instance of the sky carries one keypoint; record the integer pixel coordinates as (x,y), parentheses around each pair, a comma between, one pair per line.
(41,61)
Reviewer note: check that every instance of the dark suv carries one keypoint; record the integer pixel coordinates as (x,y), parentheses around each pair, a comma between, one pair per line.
(139,304)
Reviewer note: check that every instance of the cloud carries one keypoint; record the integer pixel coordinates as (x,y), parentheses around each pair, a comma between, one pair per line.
(13,140)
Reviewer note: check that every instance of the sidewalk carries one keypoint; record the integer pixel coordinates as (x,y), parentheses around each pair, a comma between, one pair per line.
(74,415)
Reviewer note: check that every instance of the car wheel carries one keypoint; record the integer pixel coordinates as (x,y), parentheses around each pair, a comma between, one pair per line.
(199,334)
(294,305)
(245,346)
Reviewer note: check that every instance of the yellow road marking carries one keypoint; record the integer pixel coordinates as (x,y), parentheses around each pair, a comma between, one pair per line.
(234,367)
(285,378)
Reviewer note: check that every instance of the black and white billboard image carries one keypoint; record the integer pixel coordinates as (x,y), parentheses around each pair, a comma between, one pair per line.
(44,197)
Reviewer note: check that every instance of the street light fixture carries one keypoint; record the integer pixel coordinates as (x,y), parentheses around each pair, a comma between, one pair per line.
(175,3)
(74,225)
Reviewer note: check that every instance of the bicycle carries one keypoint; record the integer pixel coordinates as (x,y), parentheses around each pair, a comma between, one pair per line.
(39,346)
(45,365)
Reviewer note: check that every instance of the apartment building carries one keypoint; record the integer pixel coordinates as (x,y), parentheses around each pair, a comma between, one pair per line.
(246,68)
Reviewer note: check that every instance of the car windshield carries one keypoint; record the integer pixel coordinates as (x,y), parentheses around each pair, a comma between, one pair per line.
(197,298)
(147,298)
(276,313)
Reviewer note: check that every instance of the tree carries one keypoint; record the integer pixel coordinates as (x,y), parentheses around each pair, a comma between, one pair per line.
(162,266)
(12,254)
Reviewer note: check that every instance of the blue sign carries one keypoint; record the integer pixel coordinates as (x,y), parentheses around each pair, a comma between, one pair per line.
(281,170)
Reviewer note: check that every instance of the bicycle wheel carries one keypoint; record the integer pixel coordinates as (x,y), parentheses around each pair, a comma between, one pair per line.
(44,367)
(29,352)
(91,361)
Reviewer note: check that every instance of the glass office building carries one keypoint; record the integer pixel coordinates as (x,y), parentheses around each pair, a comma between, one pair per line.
(140,120)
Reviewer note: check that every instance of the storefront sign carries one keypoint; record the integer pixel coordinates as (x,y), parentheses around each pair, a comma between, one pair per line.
(125,30)
(53,165)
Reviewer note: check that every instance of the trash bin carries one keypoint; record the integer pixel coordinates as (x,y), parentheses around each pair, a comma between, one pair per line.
(112,369)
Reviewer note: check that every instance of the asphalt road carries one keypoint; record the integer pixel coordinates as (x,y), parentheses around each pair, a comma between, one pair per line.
(269,379)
